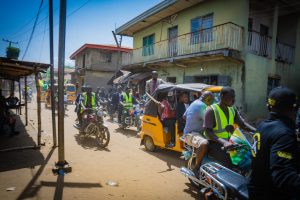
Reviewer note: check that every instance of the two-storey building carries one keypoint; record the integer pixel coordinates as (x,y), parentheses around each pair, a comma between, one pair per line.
(96,64)
(250,45)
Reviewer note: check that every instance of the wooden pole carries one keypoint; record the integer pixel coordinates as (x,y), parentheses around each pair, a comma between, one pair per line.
(20,97)
(26,106)
(61,64)
(52,72)
(38,101)
(12,88)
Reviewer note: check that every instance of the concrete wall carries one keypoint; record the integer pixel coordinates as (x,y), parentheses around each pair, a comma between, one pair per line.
(97,79)
(236,12)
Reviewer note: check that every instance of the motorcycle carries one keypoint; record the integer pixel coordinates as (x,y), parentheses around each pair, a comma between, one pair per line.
(126,118)
(94,126)
(213,178)
(138,111)
(132,117)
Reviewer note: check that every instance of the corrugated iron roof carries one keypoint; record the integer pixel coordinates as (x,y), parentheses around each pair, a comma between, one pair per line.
(100,46)
(15,69)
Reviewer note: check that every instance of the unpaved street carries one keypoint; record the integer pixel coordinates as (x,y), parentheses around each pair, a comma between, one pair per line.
(140,174)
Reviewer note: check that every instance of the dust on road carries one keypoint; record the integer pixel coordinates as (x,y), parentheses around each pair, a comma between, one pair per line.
(139,174)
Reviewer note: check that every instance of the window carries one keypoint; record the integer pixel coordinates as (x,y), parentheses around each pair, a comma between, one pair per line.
(171,79)
(201,28)
(83,61)
(273,82)
(209,79)
(108,57)
(148,45)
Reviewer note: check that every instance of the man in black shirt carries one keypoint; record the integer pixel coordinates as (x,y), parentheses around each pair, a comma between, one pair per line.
(274,166)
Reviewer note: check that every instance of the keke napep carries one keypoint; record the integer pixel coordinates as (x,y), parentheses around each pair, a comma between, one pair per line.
(152,132)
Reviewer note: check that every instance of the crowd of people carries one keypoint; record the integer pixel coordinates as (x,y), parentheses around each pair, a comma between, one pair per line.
(275,167)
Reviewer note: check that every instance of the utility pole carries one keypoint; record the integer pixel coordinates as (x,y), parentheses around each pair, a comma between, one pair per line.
(119,43)
(52,72)
(61,166)
(9,42)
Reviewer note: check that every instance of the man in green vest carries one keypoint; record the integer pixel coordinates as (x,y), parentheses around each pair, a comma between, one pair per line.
(89,102)
(127,100)
(217,117)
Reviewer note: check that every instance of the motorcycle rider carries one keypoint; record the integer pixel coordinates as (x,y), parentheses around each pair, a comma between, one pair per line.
(194,116)
(275,165)
(127,100)
(78,102)
(217,117)
(89,102)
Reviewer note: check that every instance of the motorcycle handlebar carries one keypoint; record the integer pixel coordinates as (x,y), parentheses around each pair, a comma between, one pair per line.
(231,147)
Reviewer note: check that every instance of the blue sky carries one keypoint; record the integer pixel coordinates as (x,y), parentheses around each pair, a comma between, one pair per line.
(92,23)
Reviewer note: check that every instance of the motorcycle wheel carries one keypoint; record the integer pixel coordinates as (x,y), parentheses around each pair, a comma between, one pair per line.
(103,137)
(190,164)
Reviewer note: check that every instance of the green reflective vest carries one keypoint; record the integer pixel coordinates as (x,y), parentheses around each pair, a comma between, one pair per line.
(222,121)
(127,100)
(85,97)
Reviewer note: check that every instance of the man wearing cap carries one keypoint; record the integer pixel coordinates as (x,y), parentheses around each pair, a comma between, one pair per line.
(153,83)
(275,163)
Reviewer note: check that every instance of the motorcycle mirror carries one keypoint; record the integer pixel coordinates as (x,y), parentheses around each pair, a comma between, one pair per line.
(229,129)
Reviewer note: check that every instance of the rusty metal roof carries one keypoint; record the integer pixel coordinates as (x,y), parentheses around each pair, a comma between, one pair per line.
(15,69)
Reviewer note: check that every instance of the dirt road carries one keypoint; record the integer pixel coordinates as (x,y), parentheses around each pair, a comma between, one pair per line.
(140,174)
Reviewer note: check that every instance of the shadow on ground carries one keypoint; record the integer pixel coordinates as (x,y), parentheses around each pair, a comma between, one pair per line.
(89,143)
(193,191)
(171,158)
(127,132)
(12,159)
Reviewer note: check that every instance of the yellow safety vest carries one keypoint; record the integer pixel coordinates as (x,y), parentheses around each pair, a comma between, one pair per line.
(93,100)
(222,122)
(128,100)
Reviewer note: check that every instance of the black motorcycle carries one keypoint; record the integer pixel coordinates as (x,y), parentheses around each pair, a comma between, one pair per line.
(215,180)
(93,126)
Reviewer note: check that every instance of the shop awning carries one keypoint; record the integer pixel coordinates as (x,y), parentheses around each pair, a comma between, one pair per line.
(122,79)
(117,75)
(135,78)
(11,69)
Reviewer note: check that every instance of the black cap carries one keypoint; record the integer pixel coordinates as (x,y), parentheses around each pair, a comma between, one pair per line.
(282,97)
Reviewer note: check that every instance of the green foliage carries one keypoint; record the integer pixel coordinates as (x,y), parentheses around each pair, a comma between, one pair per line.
(12,52)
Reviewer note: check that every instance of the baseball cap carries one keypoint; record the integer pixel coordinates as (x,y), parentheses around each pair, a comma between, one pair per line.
(282,97)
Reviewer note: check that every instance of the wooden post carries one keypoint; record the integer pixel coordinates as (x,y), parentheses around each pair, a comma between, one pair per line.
(26,106)
(20,97)
(38,101)
(12,88)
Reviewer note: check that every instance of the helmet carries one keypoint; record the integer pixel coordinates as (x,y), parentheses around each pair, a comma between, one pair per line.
(88,88)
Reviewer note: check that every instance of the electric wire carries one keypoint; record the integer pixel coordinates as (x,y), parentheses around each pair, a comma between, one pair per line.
(33,29)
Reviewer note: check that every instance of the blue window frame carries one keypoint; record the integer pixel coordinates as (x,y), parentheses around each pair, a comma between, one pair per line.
(148,45)
(201,28)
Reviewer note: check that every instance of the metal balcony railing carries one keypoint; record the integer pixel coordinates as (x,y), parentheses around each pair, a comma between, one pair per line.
(224,36)
(261,45)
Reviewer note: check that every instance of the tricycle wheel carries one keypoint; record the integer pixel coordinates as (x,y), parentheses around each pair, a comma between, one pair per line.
(149,144)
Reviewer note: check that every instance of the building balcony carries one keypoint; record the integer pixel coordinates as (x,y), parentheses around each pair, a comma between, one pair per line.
(210,41)
(261,45)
